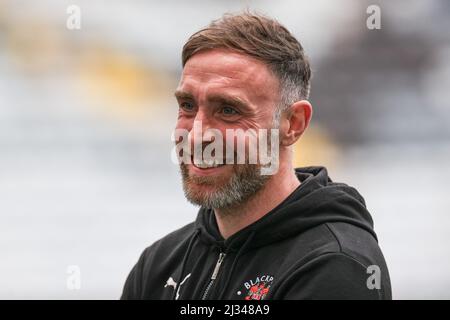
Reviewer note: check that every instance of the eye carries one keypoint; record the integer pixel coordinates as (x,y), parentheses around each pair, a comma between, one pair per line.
(229,111)
(187,106)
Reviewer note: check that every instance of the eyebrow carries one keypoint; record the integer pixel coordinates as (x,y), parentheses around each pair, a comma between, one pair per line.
(183,95)
(220,98)
(229,99)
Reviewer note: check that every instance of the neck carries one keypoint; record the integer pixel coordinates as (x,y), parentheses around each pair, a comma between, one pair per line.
(277,189)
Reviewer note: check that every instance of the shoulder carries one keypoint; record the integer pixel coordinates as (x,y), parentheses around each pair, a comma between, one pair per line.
(338,262)
(356,243)
(336,237)
(156,262)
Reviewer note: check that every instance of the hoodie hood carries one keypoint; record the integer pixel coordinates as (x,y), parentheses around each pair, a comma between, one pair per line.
(316,201)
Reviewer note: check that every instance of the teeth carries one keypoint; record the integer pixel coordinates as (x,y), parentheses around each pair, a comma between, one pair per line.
(208,164)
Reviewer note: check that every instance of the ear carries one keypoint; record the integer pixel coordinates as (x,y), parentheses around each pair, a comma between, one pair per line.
(295,121)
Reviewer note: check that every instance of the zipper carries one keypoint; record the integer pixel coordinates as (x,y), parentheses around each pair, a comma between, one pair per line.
(214,275)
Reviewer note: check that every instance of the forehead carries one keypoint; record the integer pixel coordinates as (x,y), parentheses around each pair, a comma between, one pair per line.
(225,69)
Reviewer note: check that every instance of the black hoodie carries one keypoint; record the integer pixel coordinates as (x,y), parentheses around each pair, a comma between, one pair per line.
(318,243)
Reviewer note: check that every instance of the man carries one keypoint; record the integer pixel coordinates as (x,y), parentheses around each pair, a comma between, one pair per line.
(290,234)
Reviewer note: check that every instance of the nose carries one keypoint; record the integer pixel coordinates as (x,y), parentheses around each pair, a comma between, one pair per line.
(203,117)
(202,122)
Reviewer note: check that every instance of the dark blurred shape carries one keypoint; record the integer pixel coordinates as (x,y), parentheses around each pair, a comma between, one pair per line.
(370,88)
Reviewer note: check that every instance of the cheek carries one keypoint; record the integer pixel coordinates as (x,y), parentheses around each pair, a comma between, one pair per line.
(184,123)
(261,119)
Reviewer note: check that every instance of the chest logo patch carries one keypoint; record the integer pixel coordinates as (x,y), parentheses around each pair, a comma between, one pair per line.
(257,288)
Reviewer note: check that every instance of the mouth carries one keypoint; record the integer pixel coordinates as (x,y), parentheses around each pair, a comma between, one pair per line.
(208,164)
(207,167)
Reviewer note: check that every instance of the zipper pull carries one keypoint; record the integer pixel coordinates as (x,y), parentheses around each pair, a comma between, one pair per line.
(218,264)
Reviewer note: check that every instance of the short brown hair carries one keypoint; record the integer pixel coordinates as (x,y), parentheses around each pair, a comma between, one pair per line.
(263,38)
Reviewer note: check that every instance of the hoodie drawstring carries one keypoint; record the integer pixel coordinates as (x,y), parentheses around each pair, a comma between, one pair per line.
(240,251)
(183,264)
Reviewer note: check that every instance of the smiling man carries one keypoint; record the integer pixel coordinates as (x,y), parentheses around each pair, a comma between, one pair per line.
(290,234)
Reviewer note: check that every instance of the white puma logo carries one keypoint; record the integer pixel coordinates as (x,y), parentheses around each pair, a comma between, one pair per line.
(171,283)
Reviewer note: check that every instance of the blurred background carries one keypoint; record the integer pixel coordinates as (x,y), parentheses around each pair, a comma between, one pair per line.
(86,117)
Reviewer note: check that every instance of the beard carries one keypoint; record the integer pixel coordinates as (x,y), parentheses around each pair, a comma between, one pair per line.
(223,192)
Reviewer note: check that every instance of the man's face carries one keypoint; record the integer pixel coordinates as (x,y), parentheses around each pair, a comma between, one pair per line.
(224,90)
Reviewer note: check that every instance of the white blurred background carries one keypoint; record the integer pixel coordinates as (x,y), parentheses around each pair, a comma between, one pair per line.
(86,116)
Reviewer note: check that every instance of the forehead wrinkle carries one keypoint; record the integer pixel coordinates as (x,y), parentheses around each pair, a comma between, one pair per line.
(251,83)
(202,88)
(250,77)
